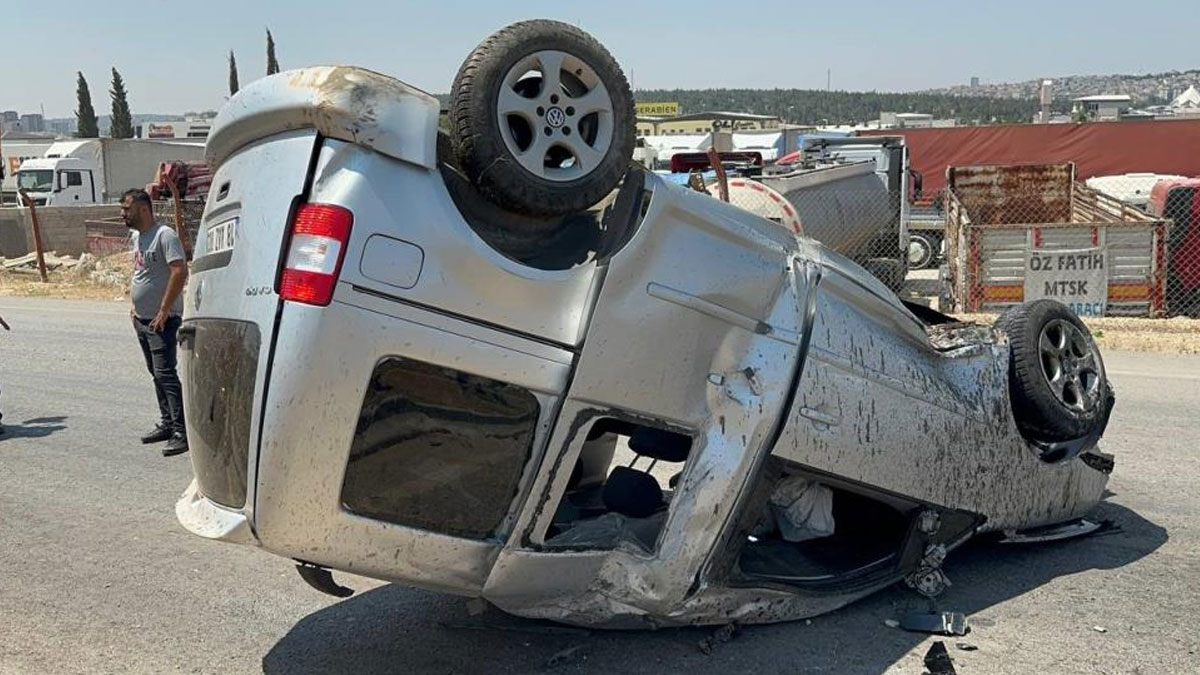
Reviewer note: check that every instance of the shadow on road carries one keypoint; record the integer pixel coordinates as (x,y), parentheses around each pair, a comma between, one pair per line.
(398,629)
(34,428)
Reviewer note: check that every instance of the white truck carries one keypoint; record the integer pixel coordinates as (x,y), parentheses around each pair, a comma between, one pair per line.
(62,181)
(99,170)
(12,155)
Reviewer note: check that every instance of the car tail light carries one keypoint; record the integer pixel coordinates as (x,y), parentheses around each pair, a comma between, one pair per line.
(315,252)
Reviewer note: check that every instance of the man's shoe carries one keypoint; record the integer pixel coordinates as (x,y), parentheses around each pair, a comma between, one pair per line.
(176,446)
(160,433)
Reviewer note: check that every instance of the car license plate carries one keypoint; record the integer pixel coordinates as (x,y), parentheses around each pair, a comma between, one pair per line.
(220,237)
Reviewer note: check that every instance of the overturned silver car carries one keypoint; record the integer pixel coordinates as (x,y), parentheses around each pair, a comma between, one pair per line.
(500,362)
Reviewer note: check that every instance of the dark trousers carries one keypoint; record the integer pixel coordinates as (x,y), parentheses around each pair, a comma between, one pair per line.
(159,350)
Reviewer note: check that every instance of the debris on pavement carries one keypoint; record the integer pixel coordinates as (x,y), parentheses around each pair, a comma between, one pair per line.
(938,661)
(27,264)
(1100,629)
(936,623)
(891,623)
(966,646)
(720,636)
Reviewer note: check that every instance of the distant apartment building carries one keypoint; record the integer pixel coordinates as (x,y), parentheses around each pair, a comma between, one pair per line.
(63,126)
(33,123)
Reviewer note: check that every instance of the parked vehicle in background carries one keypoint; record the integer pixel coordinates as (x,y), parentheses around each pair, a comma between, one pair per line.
(1130,188)
(12,155)
(1015,233)
(645,155)
(1179,200)
(852,195)
(98,171)
(63,181)
(926,233)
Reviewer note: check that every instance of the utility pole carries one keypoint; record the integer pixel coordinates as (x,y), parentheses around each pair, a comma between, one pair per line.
(828,79)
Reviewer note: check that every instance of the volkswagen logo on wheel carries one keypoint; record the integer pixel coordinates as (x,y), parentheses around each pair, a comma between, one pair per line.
(555,117)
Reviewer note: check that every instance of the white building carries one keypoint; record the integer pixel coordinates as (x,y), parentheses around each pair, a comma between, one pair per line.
(1102,107)
(1186,104)
(190,128)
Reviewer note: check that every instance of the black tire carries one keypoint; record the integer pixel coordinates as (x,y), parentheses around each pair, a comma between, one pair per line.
(1051,350)
(483,148)
(929,245)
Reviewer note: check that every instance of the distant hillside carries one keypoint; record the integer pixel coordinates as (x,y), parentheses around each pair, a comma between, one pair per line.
(1151,89)
(807,106)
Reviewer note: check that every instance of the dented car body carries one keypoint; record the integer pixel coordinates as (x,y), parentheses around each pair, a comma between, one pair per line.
(602,442)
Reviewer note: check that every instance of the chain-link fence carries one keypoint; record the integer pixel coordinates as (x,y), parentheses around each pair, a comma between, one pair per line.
(1121,246)
(111,236)
(191,211)
(998,236)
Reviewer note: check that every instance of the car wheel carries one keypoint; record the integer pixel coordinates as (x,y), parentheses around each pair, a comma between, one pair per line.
(1057,382)
(922,250)
(542,119)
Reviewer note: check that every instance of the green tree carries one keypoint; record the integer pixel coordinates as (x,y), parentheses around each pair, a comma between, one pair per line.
(272,63)
(87,126)
(233,78)
(841,107)
(122,120)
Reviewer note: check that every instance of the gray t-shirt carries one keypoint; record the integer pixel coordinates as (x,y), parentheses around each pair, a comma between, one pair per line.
(152,250)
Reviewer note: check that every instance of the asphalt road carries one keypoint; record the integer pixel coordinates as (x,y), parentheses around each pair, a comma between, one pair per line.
(97,577)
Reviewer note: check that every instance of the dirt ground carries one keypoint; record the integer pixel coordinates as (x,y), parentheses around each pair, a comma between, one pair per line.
(104,278)
(1177,335)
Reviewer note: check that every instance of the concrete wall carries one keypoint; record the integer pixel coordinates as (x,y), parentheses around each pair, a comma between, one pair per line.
(63,228)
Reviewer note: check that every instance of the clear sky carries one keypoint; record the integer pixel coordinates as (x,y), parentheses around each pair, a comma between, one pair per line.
(172,54)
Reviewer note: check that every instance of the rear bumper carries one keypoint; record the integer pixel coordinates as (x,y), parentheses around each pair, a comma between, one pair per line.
(205,518)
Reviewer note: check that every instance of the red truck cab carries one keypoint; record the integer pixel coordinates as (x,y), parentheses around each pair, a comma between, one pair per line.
(1179,200)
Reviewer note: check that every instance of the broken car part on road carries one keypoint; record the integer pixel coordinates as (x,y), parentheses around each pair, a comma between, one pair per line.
(656,410)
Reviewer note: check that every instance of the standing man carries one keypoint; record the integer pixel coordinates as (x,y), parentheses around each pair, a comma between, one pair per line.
(159,272)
